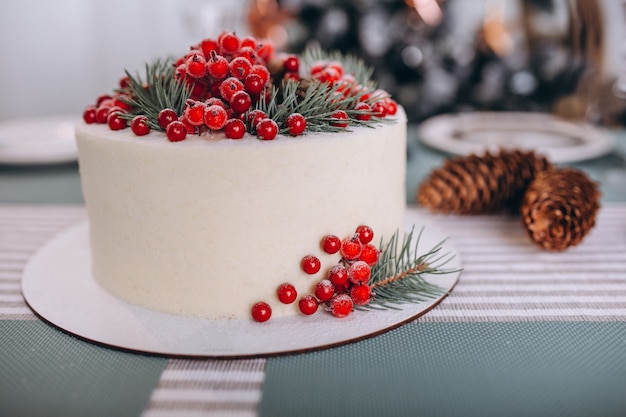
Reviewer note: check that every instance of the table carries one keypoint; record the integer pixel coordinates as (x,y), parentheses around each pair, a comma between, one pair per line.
(523,333)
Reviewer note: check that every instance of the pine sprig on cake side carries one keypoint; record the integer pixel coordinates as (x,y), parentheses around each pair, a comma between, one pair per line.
(398,276)
(233,86)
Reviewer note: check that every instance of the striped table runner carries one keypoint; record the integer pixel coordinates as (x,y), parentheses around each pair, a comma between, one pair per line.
(505,278)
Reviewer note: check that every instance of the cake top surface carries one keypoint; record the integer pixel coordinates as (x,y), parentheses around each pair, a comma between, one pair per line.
(232,87)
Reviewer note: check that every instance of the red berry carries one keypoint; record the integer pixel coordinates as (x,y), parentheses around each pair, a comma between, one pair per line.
(248,42)
(239,68)
(361,294)
(176,131)
(366,111)
(215,117)
(191,129)
(194,112)
(338,275)
(139,125)
(209,45)
(380,109)
(296,123)
(116,122)
(165,117)
(341,117)
(247,53)
(369,254)
(89,115)
(331,244)
(265,50)
(240,102)
(196,64)
(102,113)
(229,43)
(235,129)
(267,129)
(359,272)
(217,66)
(261,71)
(350,248)
(101,99)
(291,63)
(341,305)
(254,84)
(261,312)
(310,264)
(392,106)
(324,290)
(291,76)
(308,305)
(286,293)
(230,86)
(255,116)
(365,233)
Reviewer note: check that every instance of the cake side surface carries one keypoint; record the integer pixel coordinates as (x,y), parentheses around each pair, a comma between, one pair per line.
(208,226)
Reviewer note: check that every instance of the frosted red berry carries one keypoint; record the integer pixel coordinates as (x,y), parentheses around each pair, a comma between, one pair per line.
(361,294)
(296,123)
(102,113)
(215,117)
(194,112)
(209,45)
(338,275)
(140,126)
(310,264)
(379,109)
(235,129)
(365,233)
(341,305)
(115,121)
(365,111)
(359,272)
(176,131)
(267,129)
(229,43)
(308,305)
(240,102)
(350,248)
(291,63)
(340,119)
(391,107)
(165,117)
(239,68)
(324,290)
(261,71)
(230,86)
(286,293)
(255,116)
(196,64)
(217,66)
(369,254)
(331,244)
(261,312)
(254,84)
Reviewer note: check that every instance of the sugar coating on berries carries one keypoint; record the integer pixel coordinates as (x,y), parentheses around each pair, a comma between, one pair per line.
(266,129)
(286,293)
(308,304)
(324,290)
(310,264)
(369,254)
(361,294)
(261,312)
(350,248)
(341,305)
(338,275)
(365,233)
(359,272)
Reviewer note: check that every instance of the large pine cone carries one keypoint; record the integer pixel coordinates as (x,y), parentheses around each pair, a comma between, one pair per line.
(480,184)
(559,208)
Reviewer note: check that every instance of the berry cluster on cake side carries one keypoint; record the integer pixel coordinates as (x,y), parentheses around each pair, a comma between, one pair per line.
(239,161)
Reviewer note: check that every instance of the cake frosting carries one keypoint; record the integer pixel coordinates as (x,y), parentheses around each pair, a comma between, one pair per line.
(208,226)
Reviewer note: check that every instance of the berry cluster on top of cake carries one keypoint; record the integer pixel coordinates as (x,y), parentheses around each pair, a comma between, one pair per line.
(249,185)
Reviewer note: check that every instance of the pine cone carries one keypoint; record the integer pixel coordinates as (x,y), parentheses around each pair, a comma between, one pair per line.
(559,208)
(480,184)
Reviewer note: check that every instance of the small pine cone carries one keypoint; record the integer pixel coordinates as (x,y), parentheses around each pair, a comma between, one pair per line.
(559,208)
(480,184)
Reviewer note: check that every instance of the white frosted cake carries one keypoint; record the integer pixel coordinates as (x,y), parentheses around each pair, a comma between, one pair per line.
(208,226)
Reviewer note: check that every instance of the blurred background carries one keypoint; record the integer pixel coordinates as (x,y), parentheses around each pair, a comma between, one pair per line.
(434,56)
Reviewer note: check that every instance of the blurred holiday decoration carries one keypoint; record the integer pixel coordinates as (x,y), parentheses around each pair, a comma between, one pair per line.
(559,208)
(439,56)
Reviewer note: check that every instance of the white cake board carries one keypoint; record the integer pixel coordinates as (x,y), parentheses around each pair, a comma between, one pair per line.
(57,284)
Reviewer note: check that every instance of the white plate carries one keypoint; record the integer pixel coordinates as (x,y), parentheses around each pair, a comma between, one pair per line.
(57,284)
(557,139)
(44,140)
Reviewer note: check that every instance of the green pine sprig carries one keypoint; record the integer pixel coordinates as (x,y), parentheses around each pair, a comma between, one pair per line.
(398,276)
(159,90)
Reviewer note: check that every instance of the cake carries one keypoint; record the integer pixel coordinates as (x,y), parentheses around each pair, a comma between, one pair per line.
(212,224)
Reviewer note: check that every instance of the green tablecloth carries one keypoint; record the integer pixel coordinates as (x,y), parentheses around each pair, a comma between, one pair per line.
(523,333)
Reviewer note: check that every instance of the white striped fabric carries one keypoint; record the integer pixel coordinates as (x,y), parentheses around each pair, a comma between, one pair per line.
(23,230)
